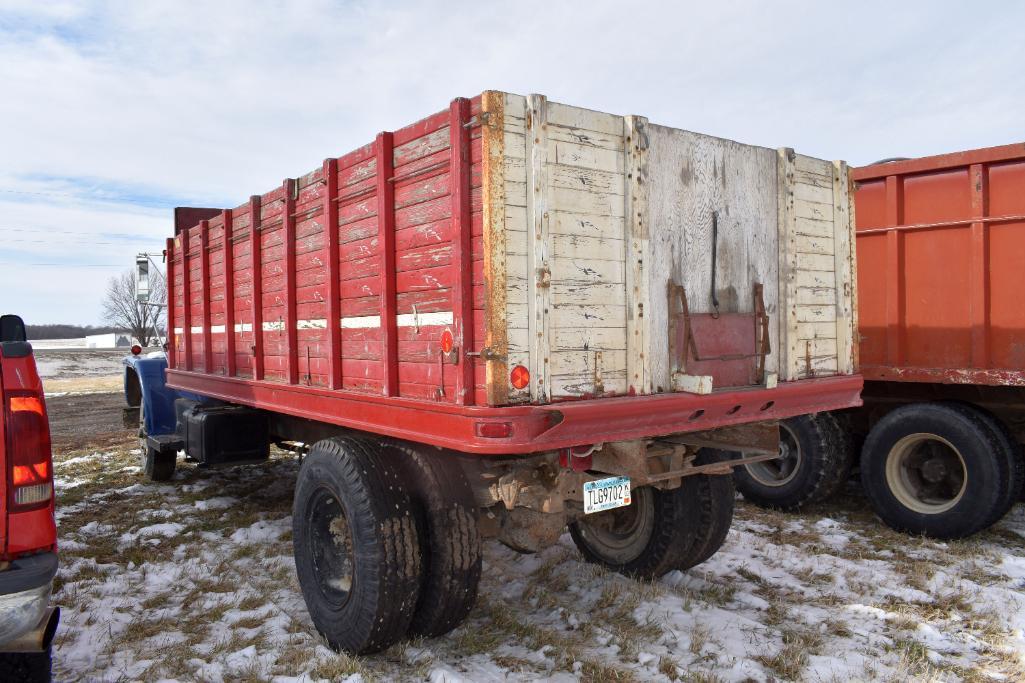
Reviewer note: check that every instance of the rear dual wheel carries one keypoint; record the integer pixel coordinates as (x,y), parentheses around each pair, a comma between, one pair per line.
(945,470)
(661,530)
(815,460)
(385,544)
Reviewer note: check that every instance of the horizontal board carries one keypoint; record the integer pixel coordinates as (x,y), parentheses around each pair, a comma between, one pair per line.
(585,137)
(811,165)
(579,315)
(814,314)
(816,295)
(590,337)
(570,271)
(591,180)
(589,293)
(818,228)
(586,119)
(813,193)
(819,262)
(814,210)
(586,248)
(813,244)
(564,223)
(584,363)
(585,156)
(586,202)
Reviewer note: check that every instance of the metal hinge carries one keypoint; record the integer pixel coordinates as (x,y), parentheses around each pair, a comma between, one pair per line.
(486,354)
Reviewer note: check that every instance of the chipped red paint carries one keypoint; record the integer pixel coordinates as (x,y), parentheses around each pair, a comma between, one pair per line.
(534,428)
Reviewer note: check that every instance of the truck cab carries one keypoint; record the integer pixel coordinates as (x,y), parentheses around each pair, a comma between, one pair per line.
(28,533)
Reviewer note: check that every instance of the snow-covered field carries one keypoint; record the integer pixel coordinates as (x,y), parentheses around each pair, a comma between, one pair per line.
(193,580)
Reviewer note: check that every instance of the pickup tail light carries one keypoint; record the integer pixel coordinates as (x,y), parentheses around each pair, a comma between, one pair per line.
(28,451)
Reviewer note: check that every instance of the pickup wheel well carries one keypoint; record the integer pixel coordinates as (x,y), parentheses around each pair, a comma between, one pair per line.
(133,388)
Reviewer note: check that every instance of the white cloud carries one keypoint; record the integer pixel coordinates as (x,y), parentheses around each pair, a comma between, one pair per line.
(207,103)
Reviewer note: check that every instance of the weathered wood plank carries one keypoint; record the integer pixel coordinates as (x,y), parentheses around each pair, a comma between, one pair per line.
(843,257)
(823,296)
(585,156)
(585,137)
(788,273)
(589,337)
(586,119)
(638,247)
(586,249)
(813,166)
(811,244)
(807,313)
(815,262)
(539,245)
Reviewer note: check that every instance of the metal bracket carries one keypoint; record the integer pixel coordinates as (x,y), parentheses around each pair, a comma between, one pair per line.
(486,354)
(679,310)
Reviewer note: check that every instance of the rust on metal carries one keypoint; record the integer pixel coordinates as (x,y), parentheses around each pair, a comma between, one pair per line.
(495,335)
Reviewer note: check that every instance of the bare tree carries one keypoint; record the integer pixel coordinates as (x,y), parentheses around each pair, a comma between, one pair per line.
(122,309)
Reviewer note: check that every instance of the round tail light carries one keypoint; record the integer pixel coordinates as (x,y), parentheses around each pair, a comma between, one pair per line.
(136,349)
(519,377)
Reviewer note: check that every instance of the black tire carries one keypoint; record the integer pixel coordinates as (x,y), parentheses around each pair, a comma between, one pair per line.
(661,530)
(29,667)
(355,542)
(156,465)
(1008,457)
(817,460)
(936,469)
(711,498)
(450,545)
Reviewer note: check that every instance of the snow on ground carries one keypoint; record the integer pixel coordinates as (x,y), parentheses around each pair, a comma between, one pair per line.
(193,580)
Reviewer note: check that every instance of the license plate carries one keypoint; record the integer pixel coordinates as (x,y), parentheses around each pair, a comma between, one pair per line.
(606,494)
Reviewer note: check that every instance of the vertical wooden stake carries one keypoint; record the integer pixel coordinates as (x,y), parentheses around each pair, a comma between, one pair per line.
(386,250)
(186,297)
(842,268)
(539,282)
(204,281)
(291,320)
(638,328)
(227,260)
(172,338)
(256,277)
(329,216)
(462,248)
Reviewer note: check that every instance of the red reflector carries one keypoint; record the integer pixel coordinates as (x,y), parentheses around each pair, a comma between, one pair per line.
(136,349)
(494,430)
(446,341)
(520,377)
(26,404)
(37,473)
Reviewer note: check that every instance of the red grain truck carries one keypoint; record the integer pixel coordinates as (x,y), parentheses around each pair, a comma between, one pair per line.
(508,318)
(941,314)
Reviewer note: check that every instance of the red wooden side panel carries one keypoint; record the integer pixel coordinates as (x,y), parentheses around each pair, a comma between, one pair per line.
(941,250)
(315,310)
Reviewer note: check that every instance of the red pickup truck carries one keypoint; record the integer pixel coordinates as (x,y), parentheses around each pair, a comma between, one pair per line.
(28,534)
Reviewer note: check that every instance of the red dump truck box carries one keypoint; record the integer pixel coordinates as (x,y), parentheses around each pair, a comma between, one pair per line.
(941,268)
(493,278)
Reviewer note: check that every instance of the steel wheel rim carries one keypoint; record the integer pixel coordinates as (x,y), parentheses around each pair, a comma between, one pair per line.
(621,535)
(331,550)
(782,470)
(926,473)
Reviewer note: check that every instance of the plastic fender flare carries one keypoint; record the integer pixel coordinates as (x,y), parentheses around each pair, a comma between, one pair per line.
(157,398)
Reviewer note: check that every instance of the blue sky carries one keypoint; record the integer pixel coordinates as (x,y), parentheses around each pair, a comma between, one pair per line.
(112,113)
